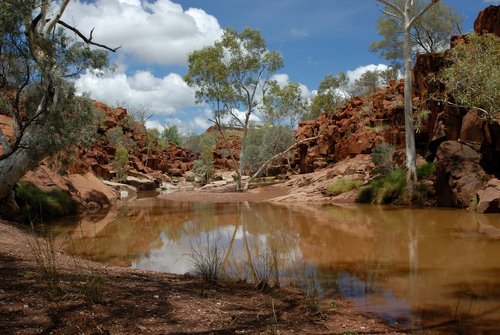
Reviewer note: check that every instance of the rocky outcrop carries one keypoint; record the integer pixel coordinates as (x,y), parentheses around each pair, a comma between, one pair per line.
(143,158)
(86,188)
(488,20)
(354,129)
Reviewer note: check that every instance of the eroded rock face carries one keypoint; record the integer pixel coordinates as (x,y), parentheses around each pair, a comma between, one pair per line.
(459,174)
(488,200)
(488,20)
(354,129)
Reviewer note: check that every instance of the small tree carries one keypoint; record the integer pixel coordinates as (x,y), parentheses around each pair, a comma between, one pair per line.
(120,162)
(284,105)
(332,91)
(404,13)
(233,75)
(172,135)
(473,78)
(204,166)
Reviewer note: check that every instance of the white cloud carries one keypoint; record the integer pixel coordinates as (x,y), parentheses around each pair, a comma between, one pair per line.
(159,32)
(154,124)
(296,32)
(282,79)
(358,72)
(158,95)
(494,2)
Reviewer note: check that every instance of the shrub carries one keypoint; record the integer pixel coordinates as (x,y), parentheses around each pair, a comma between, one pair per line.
(204,167)
(120,163)
(382,158)
(384,190)
(426,170)
(39,204)
(391,189)
(343,185)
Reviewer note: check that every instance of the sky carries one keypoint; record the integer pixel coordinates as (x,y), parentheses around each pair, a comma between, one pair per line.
(314,37)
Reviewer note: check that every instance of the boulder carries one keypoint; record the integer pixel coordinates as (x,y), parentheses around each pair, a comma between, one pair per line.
(459,174)
(142,184)
(488,199)
(91,190)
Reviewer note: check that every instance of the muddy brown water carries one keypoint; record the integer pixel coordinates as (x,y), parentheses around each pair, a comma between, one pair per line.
(416,268)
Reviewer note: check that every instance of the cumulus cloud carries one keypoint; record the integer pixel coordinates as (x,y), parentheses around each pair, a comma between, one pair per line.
(160,32)
(159,96)
(282,79)
(358,72)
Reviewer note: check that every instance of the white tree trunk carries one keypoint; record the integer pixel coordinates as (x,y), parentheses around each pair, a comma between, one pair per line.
(14,168)
(411,160)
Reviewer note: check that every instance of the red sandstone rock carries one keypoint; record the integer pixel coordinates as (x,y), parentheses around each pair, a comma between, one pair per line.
(488,20)
(489,198)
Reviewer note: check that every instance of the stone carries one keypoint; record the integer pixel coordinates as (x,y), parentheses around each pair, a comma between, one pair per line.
(488,20)
(488,199)
(142,184)
(459,174)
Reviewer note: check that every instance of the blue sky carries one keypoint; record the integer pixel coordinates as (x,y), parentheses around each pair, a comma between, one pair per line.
(315,37)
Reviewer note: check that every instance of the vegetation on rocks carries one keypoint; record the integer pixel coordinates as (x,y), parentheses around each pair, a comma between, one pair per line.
(40,205)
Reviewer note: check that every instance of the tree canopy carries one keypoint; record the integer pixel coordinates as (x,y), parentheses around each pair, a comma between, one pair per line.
(37,59)
(430,33)
(233,76)
(473,78)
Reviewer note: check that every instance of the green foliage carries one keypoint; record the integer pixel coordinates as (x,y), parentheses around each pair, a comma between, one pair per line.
(234,73)
(373,79)
(391,188)
(343,185)
(382,158)
(426,170)
(332,91)
(116,137)
(172,135)
(204,166)
(154,141)
(284,105)
(431,33)
(39,205)
(384,190)
(38,60)
(120,162)
(473,78)
(264,143)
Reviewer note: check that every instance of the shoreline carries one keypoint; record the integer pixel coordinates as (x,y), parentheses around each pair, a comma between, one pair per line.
(135,301)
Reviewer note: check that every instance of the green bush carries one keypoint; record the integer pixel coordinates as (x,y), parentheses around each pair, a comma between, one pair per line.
(391,188)
(384,190)
(382,158)
(120,162)
(38,205)
(426,170)
(343,185)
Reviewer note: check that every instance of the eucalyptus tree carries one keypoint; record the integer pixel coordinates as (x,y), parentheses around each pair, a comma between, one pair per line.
(473,77)
(37,61)
(404,12)
(428,34)
(232,76)
(284,106)
(332,91)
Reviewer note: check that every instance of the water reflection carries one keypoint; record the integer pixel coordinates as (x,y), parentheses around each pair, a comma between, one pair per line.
(412,267)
